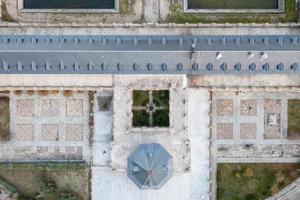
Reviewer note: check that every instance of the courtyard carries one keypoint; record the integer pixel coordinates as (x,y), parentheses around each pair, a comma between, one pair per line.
(45,125)
(256,126)
(115,142)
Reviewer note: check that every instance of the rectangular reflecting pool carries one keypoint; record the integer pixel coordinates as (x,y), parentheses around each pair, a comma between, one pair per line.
(69,4)
(232,4)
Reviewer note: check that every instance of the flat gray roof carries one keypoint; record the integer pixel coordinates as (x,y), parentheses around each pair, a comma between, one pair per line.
(146,54)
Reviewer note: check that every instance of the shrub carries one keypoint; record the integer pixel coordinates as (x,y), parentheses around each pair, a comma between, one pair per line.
(68,196)
(47,191)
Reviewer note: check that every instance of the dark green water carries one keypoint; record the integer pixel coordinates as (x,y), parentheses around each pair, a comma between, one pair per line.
(232,4)
(69,4)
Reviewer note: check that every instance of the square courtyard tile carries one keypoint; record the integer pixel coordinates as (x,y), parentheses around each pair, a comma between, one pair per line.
(25,132)
(74,107)
(74,132)
(225,130)
(49,107)
(248,107)
(224,107)
(25,107)
(50,132)
(248,131)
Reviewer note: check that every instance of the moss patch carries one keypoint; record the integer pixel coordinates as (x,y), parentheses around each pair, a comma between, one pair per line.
(253,181)
(5,15)
(178,16)
(123,7)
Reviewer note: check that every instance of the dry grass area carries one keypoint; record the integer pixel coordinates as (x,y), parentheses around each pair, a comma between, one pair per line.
(4,119)
(253,181)
(5,15)
(27,178)
(294,119)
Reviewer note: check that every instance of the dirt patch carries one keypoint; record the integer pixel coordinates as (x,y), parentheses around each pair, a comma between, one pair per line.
(68,93)
(4,119)
(43,92)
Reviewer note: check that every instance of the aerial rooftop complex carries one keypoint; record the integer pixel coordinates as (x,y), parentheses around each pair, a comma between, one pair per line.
(149,99)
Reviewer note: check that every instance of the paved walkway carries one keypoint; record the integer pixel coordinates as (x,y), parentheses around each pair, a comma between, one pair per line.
(291,192)
(151,10)
(191,184)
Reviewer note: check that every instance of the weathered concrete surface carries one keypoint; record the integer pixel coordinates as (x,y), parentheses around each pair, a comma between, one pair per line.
(144,29)
(263,81)
(55,80)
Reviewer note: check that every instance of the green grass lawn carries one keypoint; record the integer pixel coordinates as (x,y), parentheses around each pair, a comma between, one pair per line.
(253,181)
(140,97)
(293,118)
(144,117)
(178,16)
(27,178)
(161,97)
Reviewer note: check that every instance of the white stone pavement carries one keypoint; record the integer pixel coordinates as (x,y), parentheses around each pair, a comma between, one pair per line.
(110,184)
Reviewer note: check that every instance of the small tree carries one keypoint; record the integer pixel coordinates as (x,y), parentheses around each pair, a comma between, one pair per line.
(47,190)
(68,196)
